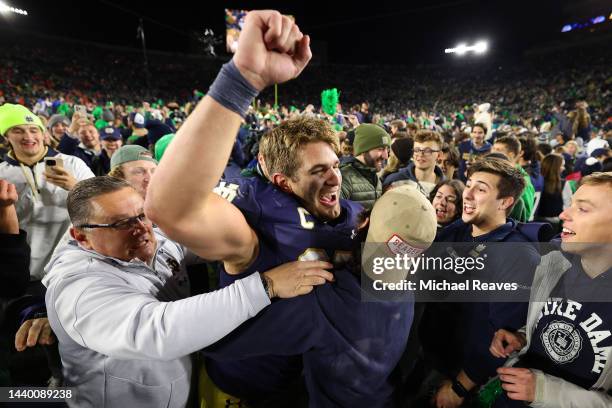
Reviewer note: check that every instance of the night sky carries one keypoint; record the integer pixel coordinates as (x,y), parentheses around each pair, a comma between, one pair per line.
(387,33)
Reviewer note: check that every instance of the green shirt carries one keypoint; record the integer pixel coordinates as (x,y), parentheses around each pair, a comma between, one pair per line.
(524,206)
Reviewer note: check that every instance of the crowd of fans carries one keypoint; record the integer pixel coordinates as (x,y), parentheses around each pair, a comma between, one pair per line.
(80,123)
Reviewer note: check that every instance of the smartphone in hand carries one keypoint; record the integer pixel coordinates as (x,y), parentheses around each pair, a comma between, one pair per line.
(51,163)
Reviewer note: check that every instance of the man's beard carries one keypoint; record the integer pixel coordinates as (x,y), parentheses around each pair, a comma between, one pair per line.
(370,161)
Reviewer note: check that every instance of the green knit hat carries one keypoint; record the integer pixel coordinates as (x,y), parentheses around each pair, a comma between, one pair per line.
(162,144)
(15,115)
(131,153)
(368,137)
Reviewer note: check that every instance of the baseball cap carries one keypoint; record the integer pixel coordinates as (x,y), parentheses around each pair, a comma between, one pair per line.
(402,222)
(130,153)
(109,133)
(600,151)
(14,115)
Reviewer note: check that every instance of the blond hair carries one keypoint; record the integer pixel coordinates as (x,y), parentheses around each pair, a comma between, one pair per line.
(597,179)
(281,147)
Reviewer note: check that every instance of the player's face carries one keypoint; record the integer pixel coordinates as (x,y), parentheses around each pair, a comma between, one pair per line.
(587,221)
(318,181)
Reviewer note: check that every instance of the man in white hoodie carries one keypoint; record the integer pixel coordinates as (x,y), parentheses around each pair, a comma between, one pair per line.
(117,300)
(41,208)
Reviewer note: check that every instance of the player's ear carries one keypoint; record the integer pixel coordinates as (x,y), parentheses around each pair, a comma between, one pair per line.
(282,182)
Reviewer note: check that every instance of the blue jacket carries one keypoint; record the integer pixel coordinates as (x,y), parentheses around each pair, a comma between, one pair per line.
(349,346)
(286,232)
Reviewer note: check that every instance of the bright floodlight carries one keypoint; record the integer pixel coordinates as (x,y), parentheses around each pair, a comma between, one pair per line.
(480,47)
(5,9)
(461,49)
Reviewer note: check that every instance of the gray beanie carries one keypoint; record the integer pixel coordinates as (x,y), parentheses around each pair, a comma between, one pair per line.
(56,119)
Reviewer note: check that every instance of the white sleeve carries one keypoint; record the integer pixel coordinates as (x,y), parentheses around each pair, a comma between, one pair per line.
(554,392)
(120,321)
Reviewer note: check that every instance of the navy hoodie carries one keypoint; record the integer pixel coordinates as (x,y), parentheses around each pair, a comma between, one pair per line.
(458,335)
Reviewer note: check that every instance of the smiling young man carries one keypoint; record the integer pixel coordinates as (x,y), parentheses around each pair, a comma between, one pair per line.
(564,348)
(86,144)
(251,224)
(423,169)
(455,334)
(41,208)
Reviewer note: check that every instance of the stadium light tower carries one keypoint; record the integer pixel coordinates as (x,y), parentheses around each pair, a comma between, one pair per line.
(462,49)
(6,9)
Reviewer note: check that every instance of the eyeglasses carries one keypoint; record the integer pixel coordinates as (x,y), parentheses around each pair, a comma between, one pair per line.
(426,152)
(124,224)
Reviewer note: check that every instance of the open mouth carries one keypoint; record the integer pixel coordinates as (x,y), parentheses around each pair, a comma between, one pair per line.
(328,199)
(468,209)
(566,233)
(441,213)
(28,145)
